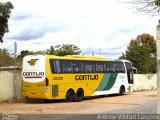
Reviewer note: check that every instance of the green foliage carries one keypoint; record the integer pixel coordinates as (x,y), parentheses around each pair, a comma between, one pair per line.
(5,10)
(38,52)
(65,49)
(24,53)
(5,58)
(59,50)
(52,51)
(142,53)
(157,2)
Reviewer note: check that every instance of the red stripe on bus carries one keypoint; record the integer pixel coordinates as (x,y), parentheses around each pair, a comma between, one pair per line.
(34,77)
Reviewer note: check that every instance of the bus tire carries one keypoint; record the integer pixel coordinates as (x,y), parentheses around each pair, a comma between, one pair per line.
(70,95)
(79,96)
(46,101)
(122,90)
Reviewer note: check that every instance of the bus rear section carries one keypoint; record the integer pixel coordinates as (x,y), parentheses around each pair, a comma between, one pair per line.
(34,85)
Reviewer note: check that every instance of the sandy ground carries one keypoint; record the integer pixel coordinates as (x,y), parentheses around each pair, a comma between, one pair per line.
(88,106)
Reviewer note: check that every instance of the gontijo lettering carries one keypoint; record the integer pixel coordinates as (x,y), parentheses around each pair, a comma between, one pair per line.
(86,77)
(33,74)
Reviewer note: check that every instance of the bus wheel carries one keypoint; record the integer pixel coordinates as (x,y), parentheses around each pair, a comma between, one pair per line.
(70,95)
(122,90)
(46,101)
(79,96)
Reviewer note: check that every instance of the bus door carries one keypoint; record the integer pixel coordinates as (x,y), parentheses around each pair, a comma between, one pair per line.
(129,72)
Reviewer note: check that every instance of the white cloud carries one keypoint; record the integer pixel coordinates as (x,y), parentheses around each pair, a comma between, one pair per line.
(89,24)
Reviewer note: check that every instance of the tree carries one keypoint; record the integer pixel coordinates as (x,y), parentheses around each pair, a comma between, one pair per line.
(38,52)
(24,53)
(66,49)
(142,53)
(59,50)
(21,55)
(5,10)
(148,6)
(52,51)
(5,58)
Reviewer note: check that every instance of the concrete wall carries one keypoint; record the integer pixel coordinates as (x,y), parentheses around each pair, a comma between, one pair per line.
(145,82)
(7,85)
(158,65)
(141,82)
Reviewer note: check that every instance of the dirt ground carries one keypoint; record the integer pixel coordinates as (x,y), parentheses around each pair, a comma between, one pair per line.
(88,106)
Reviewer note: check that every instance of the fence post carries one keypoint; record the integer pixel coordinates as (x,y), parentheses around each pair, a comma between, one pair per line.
(158,66)
(15,82)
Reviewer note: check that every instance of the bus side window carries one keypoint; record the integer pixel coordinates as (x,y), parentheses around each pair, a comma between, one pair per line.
(120,67)
(100,67)
(110,67)
(55,66)
(77,66)
(128,67)
(67,66)
(89,67)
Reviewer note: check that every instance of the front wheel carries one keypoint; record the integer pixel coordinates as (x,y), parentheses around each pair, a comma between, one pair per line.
(79,96)
(122,90)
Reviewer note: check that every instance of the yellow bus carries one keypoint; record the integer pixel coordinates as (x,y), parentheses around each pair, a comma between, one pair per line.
(74,77)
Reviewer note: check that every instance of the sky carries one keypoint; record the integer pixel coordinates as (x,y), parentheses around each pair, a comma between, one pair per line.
(102,27)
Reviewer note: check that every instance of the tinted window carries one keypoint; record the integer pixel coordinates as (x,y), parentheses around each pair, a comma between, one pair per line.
(110,66)
(55,66)
(128,66)
(120,67)
(73,66)
(100,67)
(77,66)
(89,67)
(67,66)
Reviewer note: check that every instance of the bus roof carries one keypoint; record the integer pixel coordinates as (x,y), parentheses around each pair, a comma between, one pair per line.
(79,57)
(74,57)
(90,57)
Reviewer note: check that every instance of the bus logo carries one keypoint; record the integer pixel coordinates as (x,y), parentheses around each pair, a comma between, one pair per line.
(32,62)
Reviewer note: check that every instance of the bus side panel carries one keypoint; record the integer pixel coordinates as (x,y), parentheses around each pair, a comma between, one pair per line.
(120,80)
(64,82)
(111,83)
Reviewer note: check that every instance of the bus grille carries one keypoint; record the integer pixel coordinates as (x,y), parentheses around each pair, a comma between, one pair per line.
(54,90)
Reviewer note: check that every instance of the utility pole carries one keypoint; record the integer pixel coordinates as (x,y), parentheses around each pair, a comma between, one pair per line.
(15,53)
(100,51)
(158,66)
(92,53)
